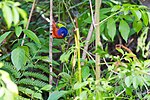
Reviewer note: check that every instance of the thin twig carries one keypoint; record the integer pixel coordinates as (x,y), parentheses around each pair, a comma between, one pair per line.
(87,42)
(27,26)
(121,93)
(93,21)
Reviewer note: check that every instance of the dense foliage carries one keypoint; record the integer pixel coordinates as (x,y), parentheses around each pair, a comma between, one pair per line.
(125,51)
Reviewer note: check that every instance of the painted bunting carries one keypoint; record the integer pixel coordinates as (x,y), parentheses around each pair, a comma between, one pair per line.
(59,31)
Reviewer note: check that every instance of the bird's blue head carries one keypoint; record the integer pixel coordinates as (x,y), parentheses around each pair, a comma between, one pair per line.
(62,32)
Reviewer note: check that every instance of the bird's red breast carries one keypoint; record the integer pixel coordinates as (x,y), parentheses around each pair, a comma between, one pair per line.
(55,31)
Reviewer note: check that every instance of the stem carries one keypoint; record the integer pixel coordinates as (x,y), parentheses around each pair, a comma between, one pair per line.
(77,42)
(69,14)
(51,43)
(97,42)
(27,26)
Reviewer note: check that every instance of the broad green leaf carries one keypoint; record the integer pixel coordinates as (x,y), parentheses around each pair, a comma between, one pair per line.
(18,58)
(137,14)
(83,95)
(137,26)
(0,4)
(148,14)
(15,15)
(115,8)
(18,30)
(65,75)
(27,55)
(85,72)
(135,81)
(129,91)
(11,86)
(124,29)
(144,18)
(111,27)
(31,35)
(2,37)
(126,11)
(105,10)
(22,13)
(128,81)
(7,14)
(102,27)
(17,3)
(56,95)
(80,85)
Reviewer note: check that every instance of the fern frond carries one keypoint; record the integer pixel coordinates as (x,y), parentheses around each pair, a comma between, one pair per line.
(41,67)
(11,70)
(36,75)
(27,81)
(21,98)
(29,92)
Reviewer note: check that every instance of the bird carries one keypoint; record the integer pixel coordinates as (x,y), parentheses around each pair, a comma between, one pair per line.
(59,31)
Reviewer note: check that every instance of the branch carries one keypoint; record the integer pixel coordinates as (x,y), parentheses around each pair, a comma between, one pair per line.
(27,26)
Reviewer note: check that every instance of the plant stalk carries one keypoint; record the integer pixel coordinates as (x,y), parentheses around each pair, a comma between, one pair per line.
(97,41)
(27,26)
(51,43)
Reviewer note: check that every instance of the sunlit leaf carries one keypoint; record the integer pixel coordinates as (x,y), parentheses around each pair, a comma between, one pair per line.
(128,81)
(137,14)
(18,30)
(144,17)
(80,85)
(7,14)
(15,15)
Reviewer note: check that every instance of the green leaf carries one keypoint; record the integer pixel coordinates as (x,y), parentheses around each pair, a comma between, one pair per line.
(18,30)
(129,91)
(124,29)
(148,14)
(137,26)
(15,15)
(80,85)
(135,82)
(2,37)
(128,81)
(56,95)
(7,14)
(18,58)
(144,17)
(27,55)
(32,36)
(83,95)
(46,87)
(115,8)
(111,26)
(22,13)
(85,72)
(137,14)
